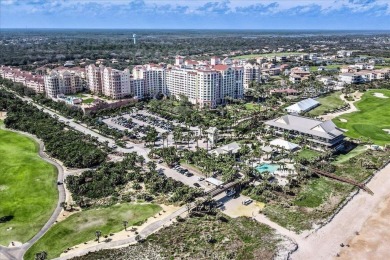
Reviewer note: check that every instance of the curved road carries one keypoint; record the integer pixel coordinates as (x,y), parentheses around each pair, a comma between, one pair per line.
(17,252)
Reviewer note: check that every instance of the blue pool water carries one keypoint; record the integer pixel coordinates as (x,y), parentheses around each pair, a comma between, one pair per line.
(267,168)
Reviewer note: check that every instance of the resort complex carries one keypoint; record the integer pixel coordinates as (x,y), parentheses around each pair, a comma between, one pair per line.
(194,144)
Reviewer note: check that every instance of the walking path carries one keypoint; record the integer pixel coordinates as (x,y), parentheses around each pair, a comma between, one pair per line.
(352,107)
(17,252)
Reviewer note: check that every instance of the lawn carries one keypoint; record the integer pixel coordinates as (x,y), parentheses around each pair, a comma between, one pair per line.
(81,227)
(28,192)
(277,54)
(307,154)
(373,116)
(328,102)
(88,100)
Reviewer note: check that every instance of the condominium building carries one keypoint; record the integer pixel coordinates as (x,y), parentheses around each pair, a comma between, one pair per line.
(94,76)
(62,82)
(34,82)
(116,83)
(252,73)
(205,86)
(154,77)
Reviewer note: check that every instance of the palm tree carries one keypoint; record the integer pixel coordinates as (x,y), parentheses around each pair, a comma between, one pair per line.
(41,255)
(164,137)
(125,223)
(98,234)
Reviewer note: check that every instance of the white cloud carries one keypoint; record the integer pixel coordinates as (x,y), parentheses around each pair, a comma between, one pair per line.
(196,7)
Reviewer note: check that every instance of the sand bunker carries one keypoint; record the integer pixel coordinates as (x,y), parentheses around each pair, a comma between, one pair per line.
(380,95)
(387,131)
(343,120)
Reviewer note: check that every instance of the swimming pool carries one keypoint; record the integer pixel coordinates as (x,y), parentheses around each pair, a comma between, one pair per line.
(267,168)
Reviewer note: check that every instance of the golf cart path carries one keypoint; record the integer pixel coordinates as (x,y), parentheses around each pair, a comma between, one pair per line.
(17,252)
(352,107)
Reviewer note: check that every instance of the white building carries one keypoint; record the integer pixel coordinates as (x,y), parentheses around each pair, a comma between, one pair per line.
(350,78)
(302,106)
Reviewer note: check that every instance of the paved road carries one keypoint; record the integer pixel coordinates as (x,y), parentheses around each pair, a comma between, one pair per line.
(18,251)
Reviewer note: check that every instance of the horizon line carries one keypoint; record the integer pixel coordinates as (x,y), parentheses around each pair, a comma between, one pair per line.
(74,28)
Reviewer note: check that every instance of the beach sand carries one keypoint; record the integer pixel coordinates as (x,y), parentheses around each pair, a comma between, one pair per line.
(373,241)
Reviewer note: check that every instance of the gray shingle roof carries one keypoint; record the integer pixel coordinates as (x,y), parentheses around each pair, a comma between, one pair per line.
(305,125)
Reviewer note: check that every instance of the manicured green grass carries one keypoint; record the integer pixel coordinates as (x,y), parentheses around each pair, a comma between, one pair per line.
(345,157)
(254,56)
(307,154)
(88,100)
(28,192)
(328,102)
(369,122)
(81,227)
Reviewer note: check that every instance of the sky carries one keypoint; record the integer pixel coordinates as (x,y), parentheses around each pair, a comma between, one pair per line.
(197,14)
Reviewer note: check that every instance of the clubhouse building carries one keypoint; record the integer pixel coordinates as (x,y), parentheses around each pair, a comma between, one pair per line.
(324,134)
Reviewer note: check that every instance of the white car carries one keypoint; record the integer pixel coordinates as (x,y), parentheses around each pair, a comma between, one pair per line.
(247,202)
(200,179)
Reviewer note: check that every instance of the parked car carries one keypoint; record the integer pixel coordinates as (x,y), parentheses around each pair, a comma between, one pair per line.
(230,193)
(218,204)
(247,202)
(196,184)
(200,179)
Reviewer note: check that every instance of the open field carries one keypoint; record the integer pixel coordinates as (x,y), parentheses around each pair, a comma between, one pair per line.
(80,227)
(28,192)
(207,237)
(328,102)
(266,55)
(373,116)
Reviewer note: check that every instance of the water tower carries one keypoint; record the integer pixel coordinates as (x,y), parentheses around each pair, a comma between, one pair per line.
(134,38)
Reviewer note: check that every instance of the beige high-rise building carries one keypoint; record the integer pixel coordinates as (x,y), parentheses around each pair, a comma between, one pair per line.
(154,77)
(116,83)
(94,77)
(252,73)
(62,82)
